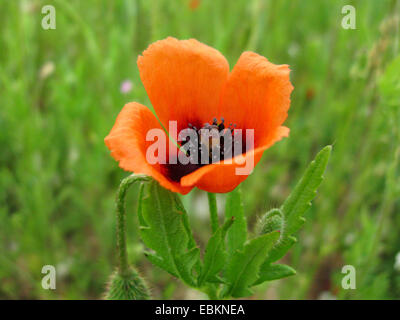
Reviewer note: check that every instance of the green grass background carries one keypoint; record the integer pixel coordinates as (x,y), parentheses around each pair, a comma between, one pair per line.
(58,182)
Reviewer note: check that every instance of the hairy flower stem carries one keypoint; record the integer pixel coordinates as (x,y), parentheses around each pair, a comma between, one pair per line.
(212,203)
(121,221)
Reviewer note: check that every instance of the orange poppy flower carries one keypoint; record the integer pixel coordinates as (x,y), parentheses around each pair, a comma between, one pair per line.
(190,83)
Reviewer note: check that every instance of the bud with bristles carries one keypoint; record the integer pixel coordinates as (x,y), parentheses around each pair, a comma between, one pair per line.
(271,221)
(129,287)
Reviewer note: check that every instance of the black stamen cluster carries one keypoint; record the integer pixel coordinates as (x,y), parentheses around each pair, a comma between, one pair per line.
(214,141)
(207,147)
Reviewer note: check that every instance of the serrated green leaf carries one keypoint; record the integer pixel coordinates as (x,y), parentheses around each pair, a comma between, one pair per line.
(161,263)
(185,220)
(295,206)
(215,255)
(186,262)
(281,247)
(300,199)
(237,234)
(245,264)
(269,272)
(216,279)
(192,243)
(163,228)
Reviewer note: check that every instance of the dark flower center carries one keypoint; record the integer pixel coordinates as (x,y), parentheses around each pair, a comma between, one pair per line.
(209,144)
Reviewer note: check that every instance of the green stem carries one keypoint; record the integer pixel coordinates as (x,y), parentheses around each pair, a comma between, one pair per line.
(121,221)
(212,203)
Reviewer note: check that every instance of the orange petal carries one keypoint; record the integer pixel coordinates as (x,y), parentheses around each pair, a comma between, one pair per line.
(257,96)
(183,79)
(128,145)
(222,177)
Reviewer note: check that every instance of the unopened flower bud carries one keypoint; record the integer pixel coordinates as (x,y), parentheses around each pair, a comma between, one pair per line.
(131,287)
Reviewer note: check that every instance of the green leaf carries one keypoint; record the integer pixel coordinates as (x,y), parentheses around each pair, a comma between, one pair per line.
(237,234)
(295,206)
(280,248)
(245,264)
(270,272)
(164,229)
(185,220)
(300,199)
(215,255)
(192,243)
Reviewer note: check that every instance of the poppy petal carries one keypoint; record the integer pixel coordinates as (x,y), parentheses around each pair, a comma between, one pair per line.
(257,96)
(128,145)
(183,79)
(222,177)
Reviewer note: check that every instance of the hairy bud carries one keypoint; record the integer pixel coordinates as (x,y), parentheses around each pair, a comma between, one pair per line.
(131,287)
(271,221)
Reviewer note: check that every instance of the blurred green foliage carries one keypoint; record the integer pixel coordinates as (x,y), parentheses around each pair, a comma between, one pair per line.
(60,95)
